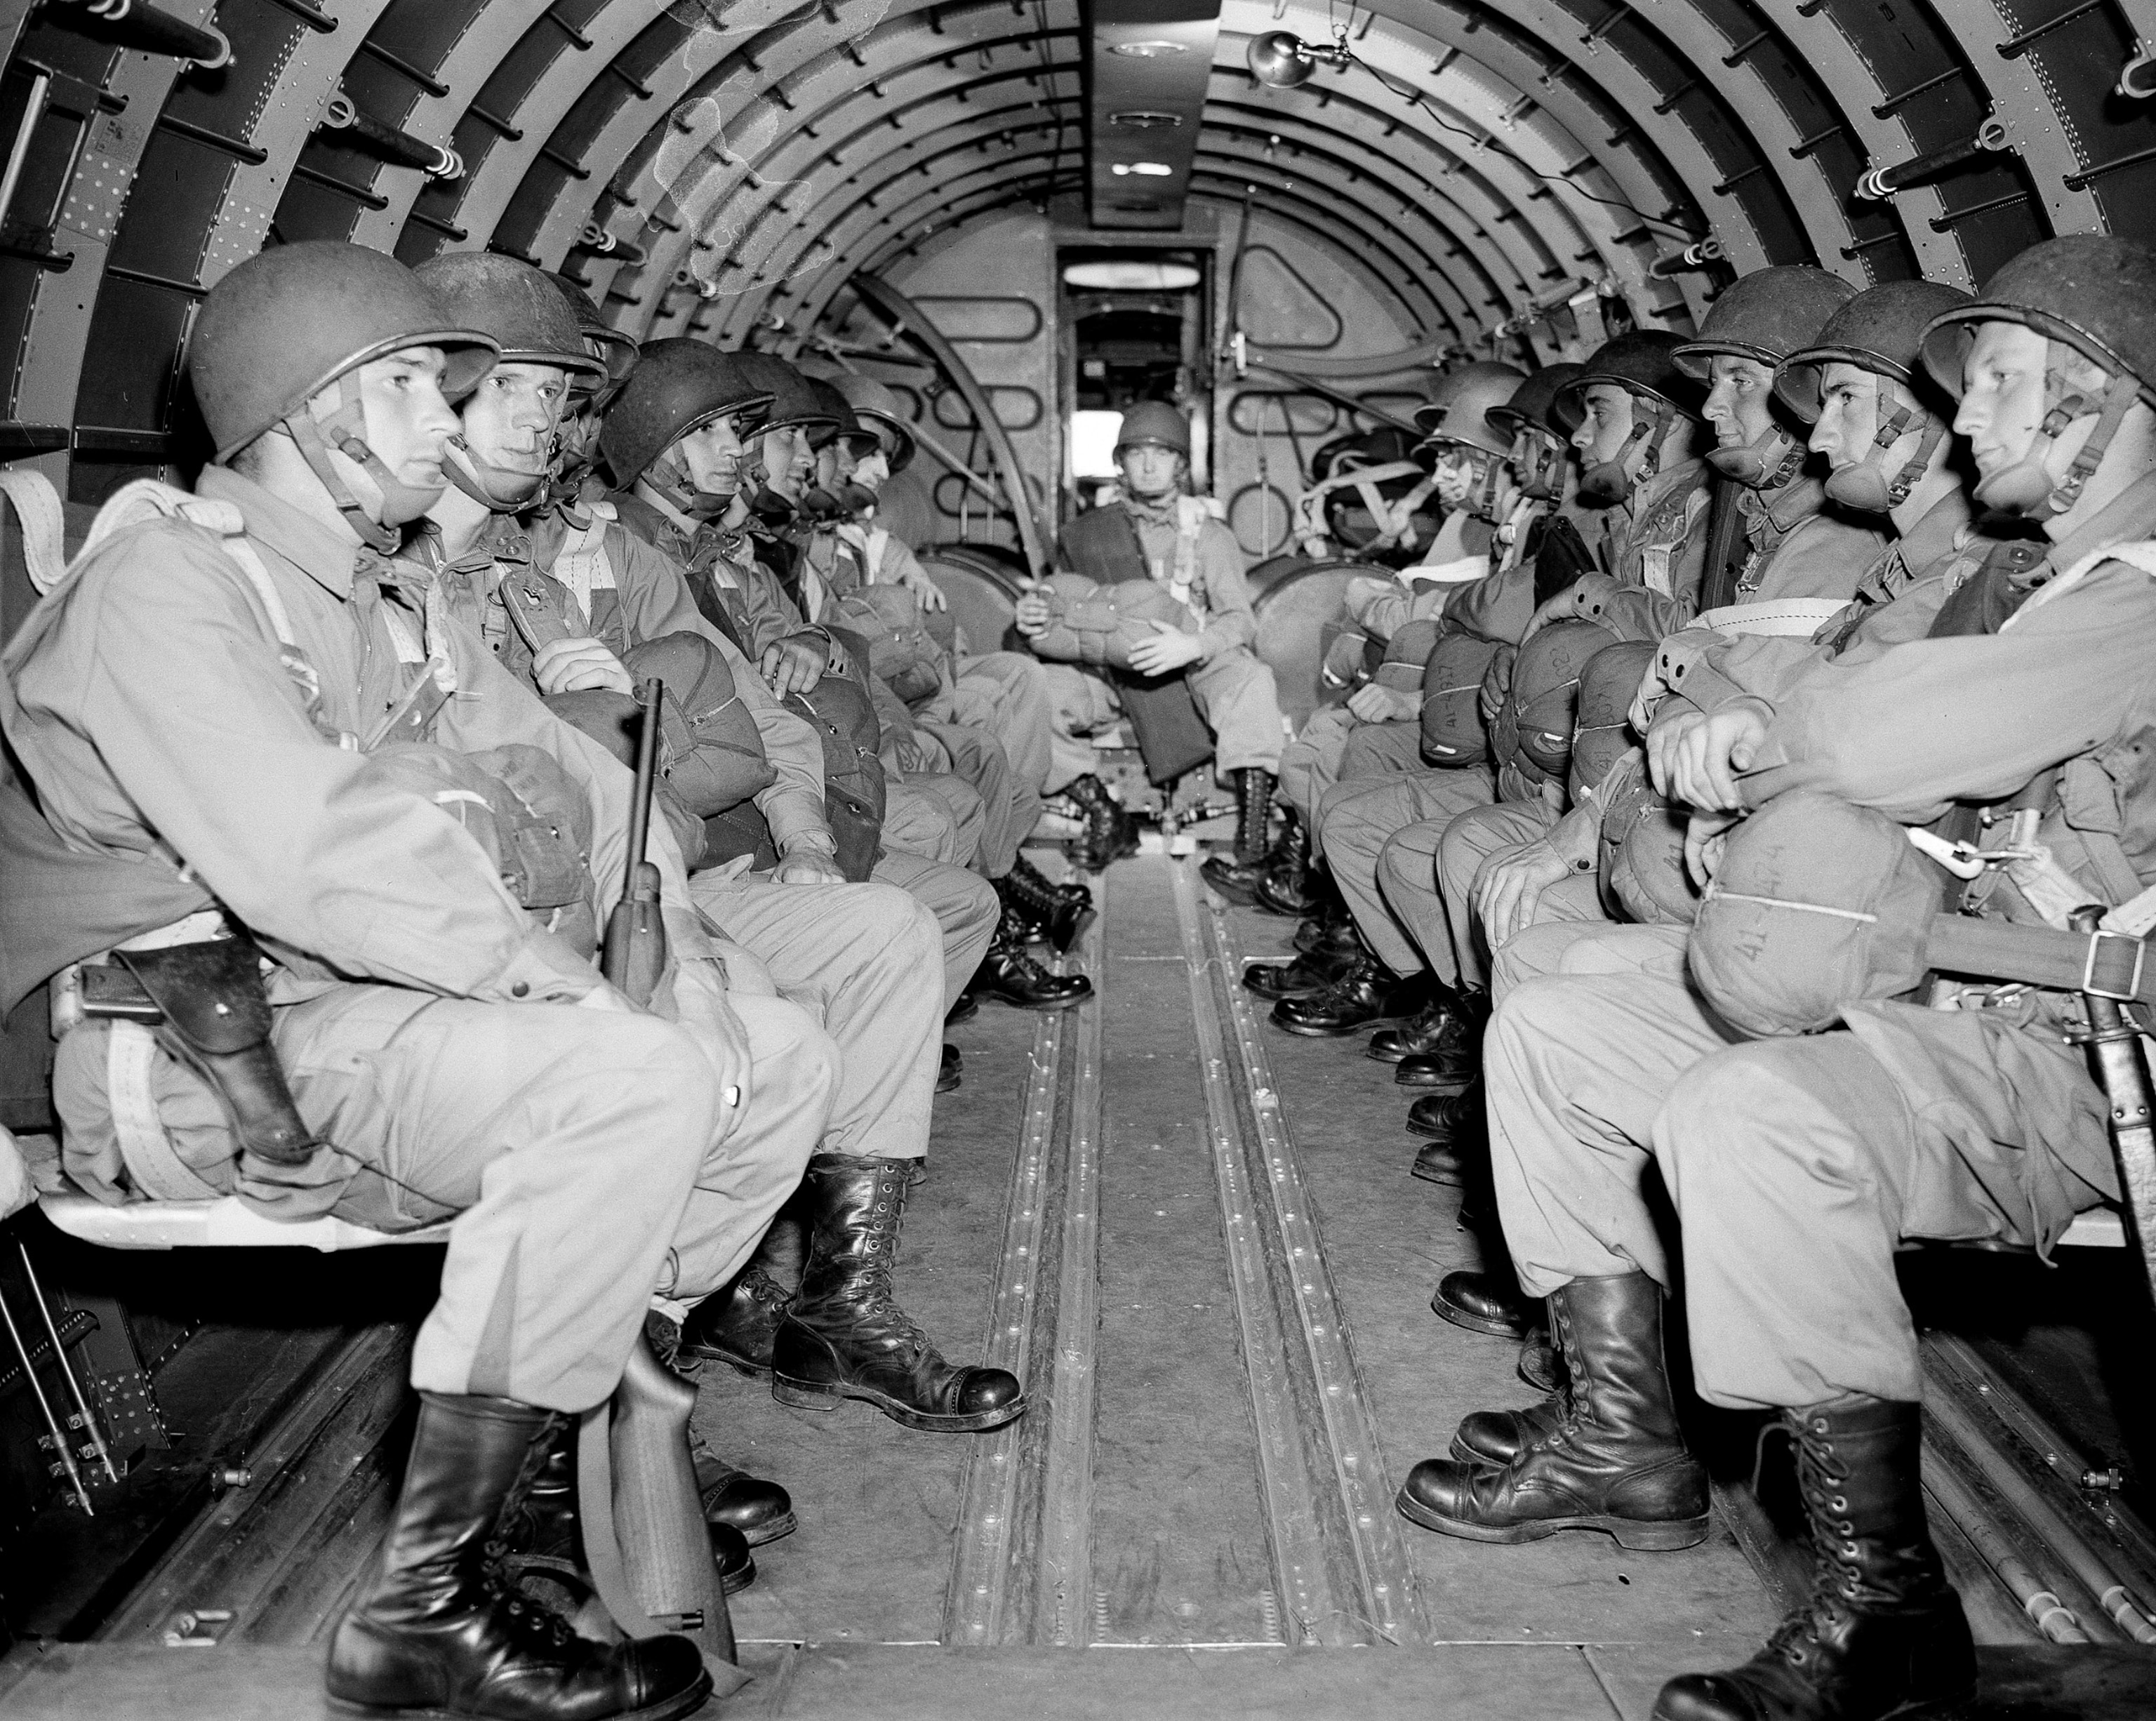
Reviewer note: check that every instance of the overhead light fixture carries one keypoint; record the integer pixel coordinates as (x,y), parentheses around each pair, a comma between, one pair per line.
(1133,275)
(1146,170)
(1151,50)
(1144,119)
(1280,60)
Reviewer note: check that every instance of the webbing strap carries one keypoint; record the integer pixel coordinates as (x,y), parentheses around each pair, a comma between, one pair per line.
(2107,963)
(44,521)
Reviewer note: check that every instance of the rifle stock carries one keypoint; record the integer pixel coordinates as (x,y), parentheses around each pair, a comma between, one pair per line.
(635,953)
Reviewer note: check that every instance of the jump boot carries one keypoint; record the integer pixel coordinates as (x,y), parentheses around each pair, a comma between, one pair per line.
(1034,879)
(437,1630)
(1485,1302)
(1008,973)
(1310,973)
(1291,885)
(735,1504)
(1365,992)
(845,1336)
(1032,900)
(1110,832)
(1454,1131)
(738,1325)
(1615,1461)
(1420,1032)
(1237,878)
(1883,1633)
(1452,1055)
(546,1535)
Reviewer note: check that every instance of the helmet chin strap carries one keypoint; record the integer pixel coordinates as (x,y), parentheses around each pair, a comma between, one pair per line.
(1767,462)
(1544,480)
(669,474)
(1865,486)
(2025,489)
(856,499)
(345,429)
(501,490)
(820,505)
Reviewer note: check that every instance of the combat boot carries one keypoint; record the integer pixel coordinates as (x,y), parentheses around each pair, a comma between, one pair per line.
(1034,902)
(1485,1302)
(1883,1633)
(1455,1128)
(438,1627)
(1008,974)
(1539,1365)
(1615,1461)
(1454,1055)
(1290,887)
(543,1537)
(1034,879)
(845,1336)
(1303,978)
(1366,992)
(1419,1032)
(1237,877)
(950,1068)
(1110,833)
(736,1505)
(737,1326)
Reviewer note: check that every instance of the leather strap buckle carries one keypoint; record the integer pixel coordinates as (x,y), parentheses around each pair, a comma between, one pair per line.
(2131,992)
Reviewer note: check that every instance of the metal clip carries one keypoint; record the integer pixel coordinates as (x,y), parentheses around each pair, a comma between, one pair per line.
(2133,992)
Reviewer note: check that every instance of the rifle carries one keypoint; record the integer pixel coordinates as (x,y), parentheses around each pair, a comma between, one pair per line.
(635,951)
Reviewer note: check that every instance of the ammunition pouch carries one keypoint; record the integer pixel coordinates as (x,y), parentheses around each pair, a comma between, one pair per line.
(212,1014)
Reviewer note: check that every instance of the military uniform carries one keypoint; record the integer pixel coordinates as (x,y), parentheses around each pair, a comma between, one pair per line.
(1233,692)
(430,1031)
(1907,1123)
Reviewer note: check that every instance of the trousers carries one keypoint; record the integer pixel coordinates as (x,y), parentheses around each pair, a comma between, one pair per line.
(1009,805)
(1355,820)
(1006,695)
(1335,744)
(588,1157)
(965,905)
(1794,1165)
(934,815)
(865,961)
(1234,694)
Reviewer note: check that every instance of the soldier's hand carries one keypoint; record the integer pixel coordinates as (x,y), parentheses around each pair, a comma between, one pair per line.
(579,667)
(1705,835)
(1509,886)
(793,665)
(1697,764)
(808,867)
(914,578)
(1170,650)
(1033,615)
(1371,703)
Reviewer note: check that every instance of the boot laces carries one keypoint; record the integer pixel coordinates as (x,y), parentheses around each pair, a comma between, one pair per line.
(1837,1578)
(525,1617)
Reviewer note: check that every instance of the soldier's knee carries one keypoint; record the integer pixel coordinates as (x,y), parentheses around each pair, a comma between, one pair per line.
(1404,863)
(899,928)
(657,1066)
(1710,1100)
(1540,1013)
(794,1057)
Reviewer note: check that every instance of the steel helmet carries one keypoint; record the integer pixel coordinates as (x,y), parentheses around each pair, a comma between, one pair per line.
(1881,331)
(794,404)
(1154,421)
(2091,292)
(610,345)
(1643,364)
(288,322)
(677,388)
(877,409)
(1765,316)
(1529,406)
(519,307)
(833,402)
(291,322)
(1463,418)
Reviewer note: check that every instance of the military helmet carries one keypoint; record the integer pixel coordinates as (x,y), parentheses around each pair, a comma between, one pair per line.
(610,345)
(793,404)
(520,306)
(1765,316)
(1528,408)
(2092,291)
(1154,421)
(1642,361)
(850,429)
(1463,418)
(880,412)
(679,386)
(288,322)
(1881,330)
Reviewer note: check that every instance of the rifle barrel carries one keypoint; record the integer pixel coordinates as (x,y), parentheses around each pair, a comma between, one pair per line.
(647,775)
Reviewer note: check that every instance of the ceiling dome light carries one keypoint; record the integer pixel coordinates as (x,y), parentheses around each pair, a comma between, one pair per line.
(1132,276)
(1149,50)
(1147,170)
(1280,60)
